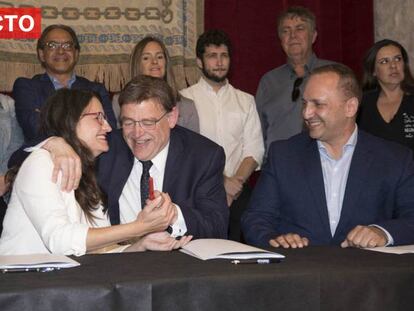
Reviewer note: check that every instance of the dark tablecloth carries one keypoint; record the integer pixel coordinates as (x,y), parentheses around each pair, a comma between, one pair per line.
(315,278)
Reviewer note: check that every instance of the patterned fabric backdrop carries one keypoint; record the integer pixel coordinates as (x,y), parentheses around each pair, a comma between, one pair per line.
(107,31)
(395,22)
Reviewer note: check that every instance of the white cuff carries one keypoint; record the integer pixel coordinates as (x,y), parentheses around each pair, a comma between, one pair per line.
(179,228)
(390,240)
(38,146)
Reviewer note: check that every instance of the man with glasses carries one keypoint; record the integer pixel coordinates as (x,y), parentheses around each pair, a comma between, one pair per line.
(185,167)
(58,51)
(229,117)
(279,95)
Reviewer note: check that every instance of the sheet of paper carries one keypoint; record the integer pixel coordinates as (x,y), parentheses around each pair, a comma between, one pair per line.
(404,249)
(217,248)
(37,261)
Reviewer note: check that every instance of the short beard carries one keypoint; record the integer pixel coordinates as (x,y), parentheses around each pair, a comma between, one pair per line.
(213,77)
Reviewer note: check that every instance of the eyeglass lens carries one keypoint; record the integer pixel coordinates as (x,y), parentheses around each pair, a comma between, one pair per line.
(56,45)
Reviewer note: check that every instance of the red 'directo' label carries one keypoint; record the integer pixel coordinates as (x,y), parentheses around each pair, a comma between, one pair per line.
(20,23)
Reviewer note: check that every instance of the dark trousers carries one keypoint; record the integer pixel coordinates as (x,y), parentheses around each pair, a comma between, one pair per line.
(236,210)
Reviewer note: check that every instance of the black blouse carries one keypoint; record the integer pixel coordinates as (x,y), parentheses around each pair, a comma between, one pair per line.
(400,129)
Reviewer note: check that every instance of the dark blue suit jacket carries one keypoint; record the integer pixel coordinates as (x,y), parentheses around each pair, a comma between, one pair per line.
(193,178)
(31,94)
(289,196)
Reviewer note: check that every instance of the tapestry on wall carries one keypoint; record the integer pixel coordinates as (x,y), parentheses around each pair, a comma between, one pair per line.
(107,31)
(394,22)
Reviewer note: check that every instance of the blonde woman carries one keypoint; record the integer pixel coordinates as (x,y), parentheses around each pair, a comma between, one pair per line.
(150,57)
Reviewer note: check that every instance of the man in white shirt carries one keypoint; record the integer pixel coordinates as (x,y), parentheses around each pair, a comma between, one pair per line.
(229,117)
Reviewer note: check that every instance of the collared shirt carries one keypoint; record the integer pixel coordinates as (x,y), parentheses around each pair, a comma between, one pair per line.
(229,118)
(130,199)
(280,117)
(57,85)
(335,175)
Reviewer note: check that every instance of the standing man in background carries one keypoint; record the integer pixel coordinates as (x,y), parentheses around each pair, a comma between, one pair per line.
(278,96)
(229,117)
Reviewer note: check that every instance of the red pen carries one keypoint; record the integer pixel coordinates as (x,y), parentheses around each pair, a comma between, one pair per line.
(151,188)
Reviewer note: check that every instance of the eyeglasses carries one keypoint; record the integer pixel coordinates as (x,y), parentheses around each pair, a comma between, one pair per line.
(53,45)
(100,116)
(144,124)
(296,89)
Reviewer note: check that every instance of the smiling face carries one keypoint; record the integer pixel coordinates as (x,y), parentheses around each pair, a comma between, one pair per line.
(145,144)
(153,62)
(92,130)
(389,66)
(296,37)
(329,117)
(58,61)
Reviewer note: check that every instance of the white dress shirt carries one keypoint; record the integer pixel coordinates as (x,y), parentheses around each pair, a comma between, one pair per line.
(335,175)
(229,118)
(130,199)
(41,218)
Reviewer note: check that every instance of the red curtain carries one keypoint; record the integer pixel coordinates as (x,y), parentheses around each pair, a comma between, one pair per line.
(345,31)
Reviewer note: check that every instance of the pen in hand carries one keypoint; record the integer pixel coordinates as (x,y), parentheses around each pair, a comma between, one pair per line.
(151,188)
(151,196)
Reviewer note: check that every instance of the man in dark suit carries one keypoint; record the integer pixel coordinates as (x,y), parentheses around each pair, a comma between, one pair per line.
(335,185)
(58,51)
(187,168)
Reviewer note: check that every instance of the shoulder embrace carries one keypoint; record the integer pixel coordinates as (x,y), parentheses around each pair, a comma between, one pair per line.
(38,161)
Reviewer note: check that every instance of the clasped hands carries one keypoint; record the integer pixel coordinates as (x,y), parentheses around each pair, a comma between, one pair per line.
(156,216)
(233,186)
(360,236)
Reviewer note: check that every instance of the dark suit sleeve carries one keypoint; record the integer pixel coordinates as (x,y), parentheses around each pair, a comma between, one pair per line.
(261,219)
(27,107)
(401,226)
(106,103)
(18,156)
(206,214)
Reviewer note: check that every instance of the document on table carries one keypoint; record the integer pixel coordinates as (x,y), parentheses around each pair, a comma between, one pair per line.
(403,249)
(205,249)
(14,263)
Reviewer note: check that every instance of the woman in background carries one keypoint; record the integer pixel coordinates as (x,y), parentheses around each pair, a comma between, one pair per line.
(41,218)
(150,57)
(387,108)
